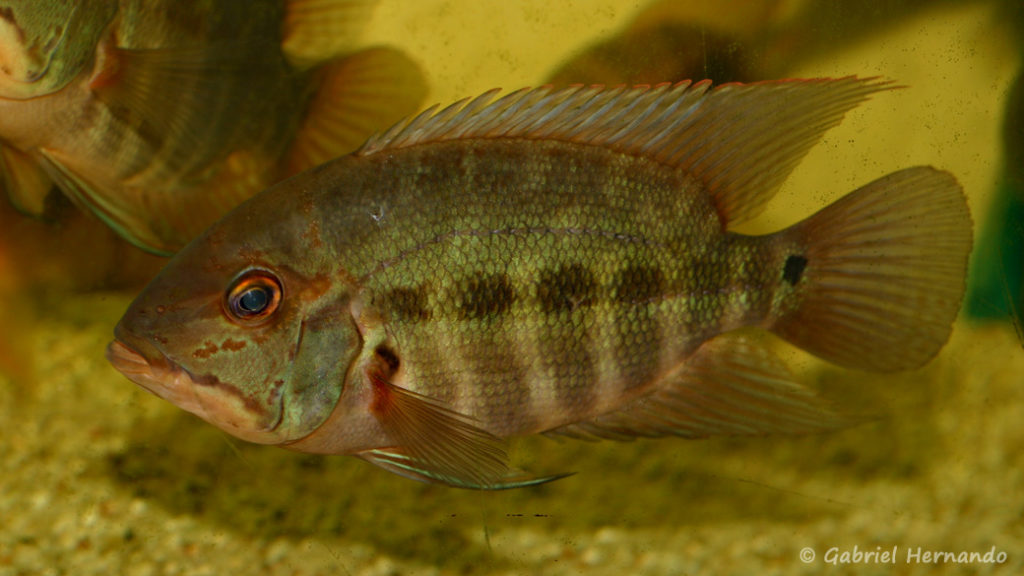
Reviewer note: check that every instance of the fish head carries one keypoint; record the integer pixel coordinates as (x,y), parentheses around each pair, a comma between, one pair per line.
(245,330)
(44,44)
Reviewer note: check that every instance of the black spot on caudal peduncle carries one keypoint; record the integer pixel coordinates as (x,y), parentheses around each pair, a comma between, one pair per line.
(794,268)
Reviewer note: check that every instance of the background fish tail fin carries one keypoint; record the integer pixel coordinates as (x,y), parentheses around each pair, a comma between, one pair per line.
(882,274)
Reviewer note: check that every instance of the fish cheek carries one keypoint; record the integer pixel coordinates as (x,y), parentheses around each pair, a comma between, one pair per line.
(328,344)
(236,381)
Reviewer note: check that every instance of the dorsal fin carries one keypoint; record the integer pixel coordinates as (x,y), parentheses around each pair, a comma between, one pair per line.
(740,140)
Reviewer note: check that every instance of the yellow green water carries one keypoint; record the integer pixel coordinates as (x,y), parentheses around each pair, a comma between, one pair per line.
(100,477)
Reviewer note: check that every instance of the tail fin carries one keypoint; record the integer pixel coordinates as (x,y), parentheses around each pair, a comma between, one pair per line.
(884,276)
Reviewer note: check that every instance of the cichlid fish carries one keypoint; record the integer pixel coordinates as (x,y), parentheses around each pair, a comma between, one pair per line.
(161,115)
(552,261)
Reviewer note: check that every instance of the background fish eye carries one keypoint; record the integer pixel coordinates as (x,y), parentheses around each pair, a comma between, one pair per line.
(253,296)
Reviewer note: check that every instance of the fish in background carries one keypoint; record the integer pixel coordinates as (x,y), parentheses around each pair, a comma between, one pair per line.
(158,116)
(997,272)
(549,262)
(671,41)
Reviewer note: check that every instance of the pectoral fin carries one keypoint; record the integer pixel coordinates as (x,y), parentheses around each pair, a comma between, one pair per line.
(438,445)
(404,465)
(729,387)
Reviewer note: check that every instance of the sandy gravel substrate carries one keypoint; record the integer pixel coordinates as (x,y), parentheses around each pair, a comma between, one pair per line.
(99,477)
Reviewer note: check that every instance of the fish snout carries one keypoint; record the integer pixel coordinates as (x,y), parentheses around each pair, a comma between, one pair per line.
(139,360)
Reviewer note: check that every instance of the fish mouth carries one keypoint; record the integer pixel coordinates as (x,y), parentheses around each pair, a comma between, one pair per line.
(127,361)
(155,373)
(211,401)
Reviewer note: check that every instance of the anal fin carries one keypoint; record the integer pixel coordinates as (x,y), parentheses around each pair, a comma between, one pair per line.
(729,387)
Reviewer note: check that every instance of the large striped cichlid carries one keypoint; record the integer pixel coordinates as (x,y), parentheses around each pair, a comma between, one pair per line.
(551,261)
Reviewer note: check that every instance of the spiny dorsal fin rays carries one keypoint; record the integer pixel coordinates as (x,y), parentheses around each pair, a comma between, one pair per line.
(740,140)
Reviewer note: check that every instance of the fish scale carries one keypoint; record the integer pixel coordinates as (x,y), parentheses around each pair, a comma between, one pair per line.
(550,261)
(562,260)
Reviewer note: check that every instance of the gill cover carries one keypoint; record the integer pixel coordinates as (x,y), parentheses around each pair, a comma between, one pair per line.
(329,343)
(45,44)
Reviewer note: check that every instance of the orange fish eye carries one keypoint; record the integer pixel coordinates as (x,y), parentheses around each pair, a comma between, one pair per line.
(253,296)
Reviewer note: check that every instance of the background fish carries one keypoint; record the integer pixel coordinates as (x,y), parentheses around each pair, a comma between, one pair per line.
(671,41)
(159,116)
(551,262)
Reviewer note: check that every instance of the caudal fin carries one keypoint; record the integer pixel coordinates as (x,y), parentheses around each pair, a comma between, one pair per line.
(883,275)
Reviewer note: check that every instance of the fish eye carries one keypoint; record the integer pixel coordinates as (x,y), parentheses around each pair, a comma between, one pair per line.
(253,296)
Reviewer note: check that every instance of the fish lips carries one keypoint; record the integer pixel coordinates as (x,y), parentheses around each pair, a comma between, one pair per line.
(220,404)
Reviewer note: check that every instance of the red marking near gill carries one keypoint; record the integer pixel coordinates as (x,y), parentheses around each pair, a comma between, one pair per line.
(382,395)
(384,365)
(233,345)
(209,349)
(108,66)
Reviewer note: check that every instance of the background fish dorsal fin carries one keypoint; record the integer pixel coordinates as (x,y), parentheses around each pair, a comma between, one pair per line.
(740,140)
(316,31)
